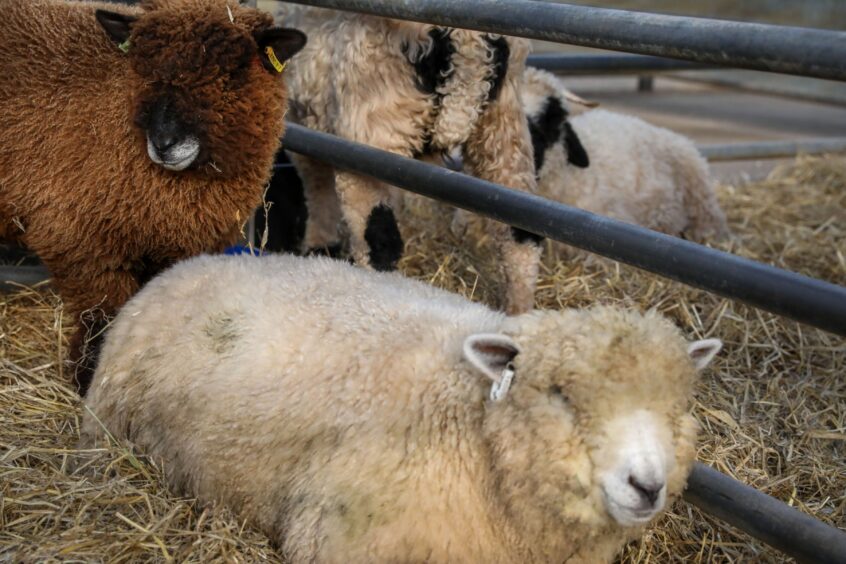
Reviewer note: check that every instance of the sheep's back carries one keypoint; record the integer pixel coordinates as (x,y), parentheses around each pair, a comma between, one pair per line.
(240,371)
(633,172)
(55,62)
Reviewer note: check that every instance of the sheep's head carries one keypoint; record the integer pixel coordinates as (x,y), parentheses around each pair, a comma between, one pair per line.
(548,107)
(208,87)
(595,426)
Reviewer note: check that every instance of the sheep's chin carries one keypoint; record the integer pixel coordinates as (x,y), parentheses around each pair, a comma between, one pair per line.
(630,516)
(179,157)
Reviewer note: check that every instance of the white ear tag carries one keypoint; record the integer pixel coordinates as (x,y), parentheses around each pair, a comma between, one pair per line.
(500,389)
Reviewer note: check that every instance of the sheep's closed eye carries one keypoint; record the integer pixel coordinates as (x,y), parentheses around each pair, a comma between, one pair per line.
(557,391)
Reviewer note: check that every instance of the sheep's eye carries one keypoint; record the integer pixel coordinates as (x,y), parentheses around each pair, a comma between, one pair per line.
(558,392)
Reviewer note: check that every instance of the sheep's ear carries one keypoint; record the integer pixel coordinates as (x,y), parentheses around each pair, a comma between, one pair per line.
(116,25)
(571,97)
(490,354)
(278,44)
(576,153)
(703,352)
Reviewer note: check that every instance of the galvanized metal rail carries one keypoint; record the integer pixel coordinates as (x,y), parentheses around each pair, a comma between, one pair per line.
(772,149)
(13,277)
(798,297)
(783,49)
(764,517)
(578,64)
(759,149)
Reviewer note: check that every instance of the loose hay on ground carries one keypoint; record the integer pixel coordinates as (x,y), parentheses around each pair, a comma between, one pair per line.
(773,408)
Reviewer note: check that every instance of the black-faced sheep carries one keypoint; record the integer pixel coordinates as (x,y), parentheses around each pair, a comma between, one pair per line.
(416,90)
(638,172)
(379,419)
(131,138)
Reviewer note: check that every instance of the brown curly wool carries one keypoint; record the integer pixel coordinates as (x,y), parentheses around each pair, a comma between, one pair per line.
(76,183)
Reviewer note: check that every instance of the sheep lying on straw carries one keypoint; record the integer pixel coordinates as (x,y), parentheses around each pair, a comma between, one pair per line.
(132,138)
(417,90)
(383,419)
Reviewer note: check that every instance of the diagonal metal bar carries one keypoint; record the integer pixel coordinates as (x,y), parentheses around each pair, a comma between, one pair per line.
(792,295)
(782,49)
(766,518)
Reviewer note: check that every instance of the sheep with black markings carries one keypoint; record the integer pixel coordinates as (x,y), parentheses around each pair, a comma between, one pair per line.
(417,90)
(637,172)
(379,419)
(131,138)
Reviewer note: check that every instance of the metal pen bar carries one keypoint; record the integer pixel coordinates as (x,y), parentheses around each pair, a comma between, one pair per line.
(12,277)
(609,64)
(805,299)
(771,149)
(720,152)
(782,49)
(792,295)
(787,529)
(753,151)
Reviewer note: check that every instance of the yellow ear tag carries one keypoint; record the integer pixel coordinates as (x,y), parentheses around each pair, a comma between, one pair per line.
(271,56)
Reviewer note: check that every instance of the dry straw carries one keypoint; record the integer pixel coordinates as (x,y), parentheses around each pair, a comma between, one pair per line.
(773,408)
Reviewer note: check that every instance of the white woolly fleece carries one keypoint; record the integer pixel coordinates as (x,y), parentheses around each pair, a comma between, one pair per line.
(348,413)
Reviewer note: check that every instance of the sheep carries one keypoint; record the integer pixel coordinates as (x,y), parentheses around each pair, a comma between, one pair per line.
(131,138)
(637,172)
(380,419)
(417,90)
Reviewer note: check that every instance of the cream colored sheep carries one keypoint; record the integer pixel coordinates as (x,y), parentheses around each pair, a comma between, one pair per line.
(638,173)
(358,416)
(416,90)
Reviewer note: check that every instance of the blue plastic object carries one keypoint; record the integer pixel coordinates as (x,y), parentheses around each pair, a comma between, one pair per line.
(242,250)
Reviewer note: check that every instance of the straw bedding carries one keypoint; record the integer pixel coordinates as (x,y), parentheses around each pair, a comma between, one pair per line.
(773,408)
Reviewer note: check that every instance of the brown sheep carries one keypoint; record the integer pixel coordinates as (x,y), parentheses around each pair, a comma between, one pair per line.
(131,138)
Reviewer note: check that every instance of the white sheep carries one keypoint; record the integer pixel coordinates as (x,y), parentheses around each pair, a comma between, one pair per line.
(358,416)
(416,90)
(616,165)
(637,172)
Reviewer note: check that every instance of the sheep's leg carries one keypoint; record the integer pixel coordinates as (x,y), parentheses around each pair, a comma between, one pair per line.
(520,253)
(92,298)
(500,151)
(460,222)
(324,210)
(375,240)
(85,347)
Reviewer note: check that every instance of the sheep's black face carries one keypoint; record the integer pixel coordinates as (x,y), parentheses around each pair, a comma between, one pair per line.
(208,89)
(171,141)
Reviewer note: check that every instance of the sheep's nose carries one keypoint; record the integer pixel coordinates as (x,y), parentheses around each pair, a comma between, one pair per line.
(648,490)
(165,129)
(164,141)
